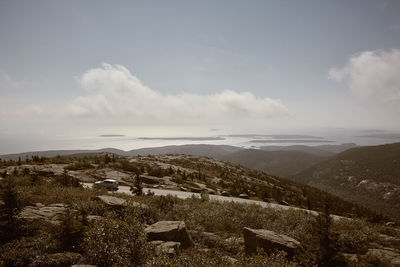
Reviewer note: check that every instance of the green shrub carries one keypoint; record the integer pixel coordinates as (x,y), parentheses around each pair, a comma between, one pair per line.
(69,233)
(9,222)
(113,242)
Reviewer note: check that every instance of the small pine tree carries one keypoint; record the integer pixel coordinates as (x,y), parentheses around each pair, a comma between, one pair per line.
(327,239)
(9,222)
(137,189)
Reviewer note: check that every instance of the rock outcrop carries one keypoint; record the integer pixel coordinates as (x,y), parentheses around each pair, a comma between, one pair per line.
(51,213)
(268,240)
(112,201)
(169,231)
(171,248)
(384,257)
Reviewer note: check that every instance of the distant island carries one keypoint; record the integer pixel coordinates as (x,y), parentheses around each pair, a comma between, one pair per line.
(111,135)
(184,138)
(383,135)
(291,141)
(275,136)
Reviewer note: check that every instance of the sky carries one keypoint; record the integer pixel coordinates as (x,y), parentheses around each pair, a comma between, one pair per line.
(179,68)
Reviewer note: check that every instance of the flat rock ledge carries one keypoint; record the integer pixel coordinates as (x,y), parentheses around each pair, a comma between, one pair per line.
(169,231)
(51,213)
(112,201)
(268,240)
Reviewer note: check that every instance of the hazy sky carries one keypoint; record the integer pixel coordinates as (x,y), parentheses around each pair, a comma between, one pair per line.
(70,68)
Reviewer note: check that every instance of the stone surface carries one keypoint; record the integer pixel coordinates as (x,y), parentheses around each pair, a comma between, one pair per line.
(170,248)
(112,201)
(268,240)
(51,213)
(93,218)
(169,231)
(150,179)
(384,257)
(57,259)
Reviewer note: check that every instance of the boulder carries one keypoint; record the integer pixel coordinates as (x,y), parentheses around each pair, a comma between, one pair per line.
(150,179)
(206,238)
(169,231)
(195,189)
(138,205)
(94,218)
(384,257)
(51,213)
(112,201)
(171,248)
(211,191)
(268,240)
(57,259)
(230,260)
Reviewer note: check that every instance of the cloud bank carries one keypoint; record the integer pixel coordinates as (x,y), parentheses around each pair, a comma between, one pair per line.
(112,91)
(372,76)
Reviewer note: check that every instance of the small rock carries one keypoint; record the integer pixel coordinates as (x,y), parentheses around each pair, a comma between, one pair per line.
(268,240)
(112,201)
(170,231)
(170,248)
(93,218)
(230,260)
(211,191)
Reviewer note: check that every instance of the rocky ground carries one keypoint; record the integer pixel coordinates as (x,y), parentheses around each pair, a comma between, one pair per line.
(66,224)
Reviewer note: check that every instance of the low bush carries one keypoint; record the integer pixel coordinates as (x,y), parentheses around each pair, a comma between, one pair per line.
(114,242)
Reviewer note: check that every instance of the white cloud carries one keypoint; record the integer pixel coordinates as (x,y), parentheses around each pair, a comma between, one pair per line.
(7,83)
(372,76)
(113,91)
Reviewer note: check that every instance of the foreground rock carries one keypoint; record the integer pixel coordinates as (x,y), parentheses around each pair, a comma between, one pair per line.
(51,213)
(171,248)
(57,259)
(268,240)
(384,257)
(112,201)
(169,231)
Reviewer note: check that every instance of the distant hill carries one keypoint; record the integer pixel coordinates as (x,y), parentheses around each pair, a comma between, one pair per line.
(279,163)
(369,176)
(321,150)
(213,151)
(55,153)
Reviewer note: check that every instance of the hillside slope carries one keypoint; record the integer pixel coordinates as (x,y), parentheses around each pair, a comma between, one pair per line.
(369,176)
(321,150)
(279,163)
